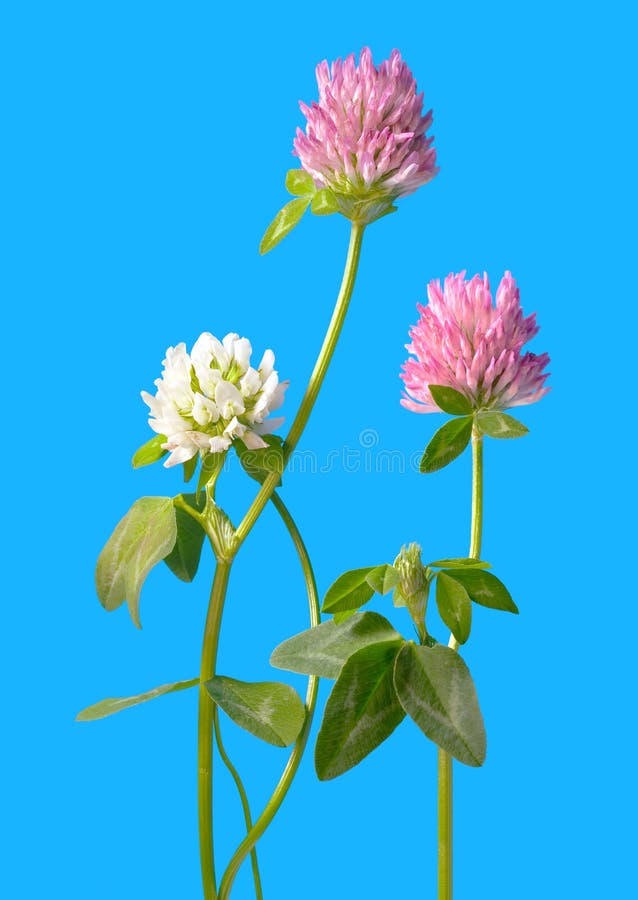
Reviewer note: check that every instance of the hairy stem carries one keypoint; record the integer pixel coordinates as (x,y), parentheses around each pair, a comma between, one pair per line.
(316,379)
(445,760)
(292,765)
(243,798)
(205,729)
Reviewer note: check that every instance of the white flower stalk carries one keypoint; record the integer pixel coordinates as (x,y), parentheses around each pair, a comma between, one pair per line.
(211,396)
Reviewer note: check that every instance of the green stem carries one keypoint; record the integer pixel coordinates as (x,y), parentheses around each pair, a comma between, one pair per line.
(205,729)
(244,800)
(445,760)
(292,765)
(316,379)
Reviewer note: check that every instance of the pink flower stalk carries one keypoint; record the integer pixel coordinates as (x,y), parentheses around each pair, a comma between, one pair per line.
(366,137)
(464,342)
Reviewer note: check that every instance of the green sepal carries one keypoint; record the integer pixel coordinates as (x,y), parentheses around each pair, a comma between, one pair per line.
(299,183)
(454,605)
(449,400)
(324,203)
(460,562)
(447,443)
(189,467)
(436,690)
(183,560)
(484,588)
(149,452)
(324,649)
(263,462)
(383,578)
(361,712)
(283,223)
(144,537)
(269,710)
(116,704)
(349,592)
(500,425)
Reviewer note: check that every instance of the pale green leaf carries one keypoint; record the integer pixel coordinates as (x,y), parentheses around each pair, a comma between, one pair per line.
(324,203)
(484,588)
(500,425)
(349,592)
(283,223)
(117,704)
(269,710)
(299,183)
(323,650)
(149,452)
(383,578)
(454,605)
(145,535)
(450,400)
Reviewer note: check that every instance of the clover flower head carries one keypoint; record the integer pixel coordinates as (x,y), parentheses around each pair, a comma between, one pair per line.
(464,341)
(365,138)
(213,395)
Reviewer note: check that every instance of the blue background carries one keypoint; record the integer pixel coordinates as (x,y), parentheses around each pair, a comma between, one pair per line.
(145,150)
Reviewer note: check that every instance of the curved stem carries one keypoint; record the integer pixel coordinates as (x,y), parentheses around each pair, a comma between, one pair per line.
(316,379)
(205,729)
(292,765)
(243,798)
(445,760)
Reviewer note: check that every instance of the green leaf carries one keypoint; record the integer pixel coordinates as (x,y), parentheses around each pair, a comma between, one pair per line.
(260,463)
(448,443)
(324,203)
(269,710)
(149,452)
(116,704)
(189,467)
(383,578)
(361,712)
(145,535)
(324,649)
(283,223)
(436,689)
(454,605)
(349,592)
(344,615)
(463,562)
(500,425)
(183,560)
(450,401)
(299,183)
(212,464)
(484,588)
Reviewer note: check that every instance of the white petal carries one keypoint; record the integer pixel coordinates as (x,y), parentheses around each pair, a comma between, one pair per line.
(228,399)
(267,364)
(250,383)
(253,441)
(180,455)
(219,444)
(242,351)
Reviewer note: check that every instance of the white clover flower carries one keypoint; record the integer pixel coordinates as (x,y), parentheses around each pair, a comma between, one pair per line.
(208,398)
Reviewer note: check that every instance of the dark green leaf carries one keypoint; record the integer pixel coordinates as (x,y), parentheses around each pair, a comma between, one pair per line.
(464,562)
(450,401)
(383,578)
(145,535)
(349,592)
(283,223)
(212,464)
(324,649)
(361,712)
(324,203)
(183,560)
(436,689)
(500,425)
(269,710)
(116,704)
(448,443)
(149,452)
(189,467)
(260,463)
(484,588)
(299,183)
(454,605)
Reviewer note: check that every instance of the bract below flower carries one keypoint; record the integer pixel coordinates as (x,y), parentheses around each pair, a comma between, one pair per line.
(213,395)
(465,342)
(365,138)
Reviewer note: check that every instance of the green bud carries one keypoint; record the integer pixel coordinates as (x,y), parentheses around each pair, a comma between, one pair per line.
(413,588)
